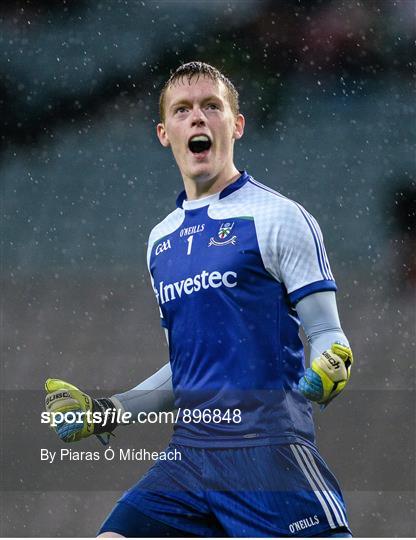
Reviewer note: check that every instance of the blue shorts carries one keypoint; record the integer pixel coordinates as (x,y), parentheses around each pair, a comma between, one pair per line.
(258,491)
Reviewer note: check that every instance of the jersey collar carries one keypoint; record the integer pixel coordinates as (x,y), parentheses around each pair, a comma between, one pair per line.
(241,180)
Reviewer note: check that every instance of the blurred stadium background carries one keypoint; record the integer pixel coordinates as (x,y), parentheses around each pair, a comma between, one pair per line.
(327,88)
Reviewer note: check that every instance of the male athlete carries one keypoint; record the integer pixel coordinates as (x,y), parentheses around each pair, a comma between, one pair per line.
(236,268)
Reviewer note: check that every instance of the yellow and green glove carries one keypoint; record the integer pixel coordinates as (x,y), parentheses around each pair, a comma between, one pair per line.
(328,374)
(63,397)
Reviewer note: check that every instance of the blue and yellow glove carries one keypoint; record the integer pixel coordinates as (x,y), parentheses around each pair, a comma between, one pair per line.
(328,374)
(63,397)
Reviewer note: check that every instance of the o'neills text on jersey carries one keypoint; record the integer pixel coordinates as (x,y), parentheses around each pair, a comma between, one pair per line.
(192,230)
(204,280)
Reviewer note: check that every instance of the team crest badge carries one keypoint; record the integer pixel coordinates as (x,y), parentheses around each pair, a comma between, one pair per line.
(223,233)
(225,230)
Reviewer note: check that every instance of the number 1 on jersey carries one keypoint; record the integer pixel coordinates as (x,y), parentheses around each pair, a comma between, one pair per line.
(190,239)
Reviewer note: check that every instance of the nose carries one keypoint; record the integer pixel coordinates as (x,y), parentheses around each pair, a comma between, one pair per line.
(197,117)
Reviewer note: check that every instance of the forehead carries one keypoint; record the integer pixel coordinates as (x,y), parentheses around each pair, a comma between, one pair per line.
(196,88)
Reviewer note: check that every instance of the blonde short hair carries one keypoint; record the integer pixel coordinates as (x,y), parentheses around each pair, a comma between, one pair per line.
(196,69)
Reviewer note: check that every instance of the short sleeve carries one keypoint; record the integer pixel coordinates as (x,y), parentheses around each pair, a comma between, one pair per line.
(303,264)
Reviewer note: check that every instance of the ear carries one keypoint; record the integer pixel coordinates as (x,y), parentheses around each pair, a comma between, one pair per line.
(239,124)
(162,135)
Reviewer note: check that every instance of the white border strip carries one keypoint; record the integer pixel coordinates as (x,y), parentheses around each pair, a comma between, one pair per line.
(314,487)
(330,492)
(321,253)
(326,493)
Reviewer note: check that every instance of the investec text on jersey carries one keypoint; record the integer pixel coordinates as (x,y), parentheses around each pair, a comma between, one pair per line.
(166,293)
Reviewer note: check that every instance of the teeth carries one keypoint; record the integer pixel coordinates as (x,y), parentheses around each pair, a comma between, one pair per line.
(201,138)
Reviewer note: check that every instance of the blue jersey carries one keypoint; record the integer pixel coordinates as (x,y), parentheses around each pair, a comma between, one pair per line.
(227,272)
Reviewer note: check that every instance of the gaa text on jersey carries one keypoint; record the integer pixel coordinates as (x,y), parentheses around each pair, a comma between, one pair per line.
(163,246)
(190,285)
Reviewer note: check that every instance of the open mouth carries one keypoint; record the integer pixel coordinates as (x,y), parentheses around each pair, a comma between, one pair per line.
(199,143)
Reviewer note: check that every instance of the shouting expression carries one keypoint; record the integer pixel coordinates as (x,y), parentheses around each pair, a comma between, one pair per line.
(201,128)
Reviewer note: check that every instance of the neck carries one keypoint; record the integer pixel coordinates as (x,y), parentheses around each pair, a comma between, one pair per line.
(198,188)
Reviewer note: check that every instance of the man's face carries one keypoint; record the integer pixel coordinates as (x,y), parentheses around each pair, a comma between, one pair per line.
(200,127)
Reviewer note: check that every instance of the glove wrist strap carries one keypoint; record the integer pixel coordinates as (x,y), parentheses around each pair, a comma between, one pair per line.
(102,405)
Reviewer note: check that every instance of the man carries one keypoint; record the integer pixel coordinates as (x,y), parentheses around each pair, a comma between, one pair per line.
(234,268)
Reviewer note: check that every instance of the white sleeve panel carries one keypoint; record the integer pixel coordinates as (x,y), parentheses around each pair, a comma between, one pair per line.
(167,226)
(302,255)
(292,247)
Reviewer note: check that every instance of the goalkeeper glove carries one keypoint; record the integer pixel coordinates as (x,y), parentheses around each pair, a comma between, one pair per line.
(63,397)
(328,374)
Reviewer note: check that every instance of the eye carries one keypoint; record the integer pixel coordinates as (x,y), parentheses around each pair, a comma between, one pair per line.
(180,110)
(212,106)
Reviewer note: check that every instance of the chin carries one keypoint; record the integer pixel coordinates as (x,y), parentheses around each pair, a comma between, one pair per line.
(201,173)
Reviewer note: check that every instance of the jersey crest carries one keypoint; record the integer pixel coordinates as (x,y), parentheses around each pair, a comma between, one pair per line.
(223,233)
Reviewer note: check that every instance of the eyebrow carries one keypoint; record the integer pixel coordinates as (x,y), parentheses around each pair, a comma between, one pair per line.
(188,102)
